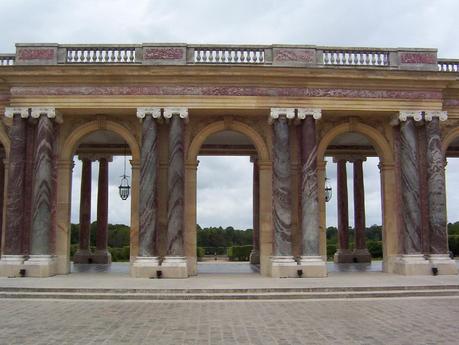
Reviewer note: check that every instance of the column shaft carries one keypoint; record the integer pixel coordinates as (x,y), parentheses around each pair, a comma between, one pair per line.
(85,205)
(15,193)
(256,206)
(176,188)
(2,194)
(148,188)
(282,205)
(42,189)
(359,205)
(410,188)
(309,192)
(102,207)
(343,217)
(436,189)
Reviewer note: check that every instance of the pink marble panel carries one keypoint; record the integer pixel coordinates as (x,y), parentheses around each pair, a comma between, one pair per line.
(36,53)
(418,58)
(167,53)
(294,55)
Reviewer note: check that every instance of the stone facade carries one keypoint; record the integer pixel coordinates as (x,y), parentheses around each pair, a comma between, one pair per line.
(284,99)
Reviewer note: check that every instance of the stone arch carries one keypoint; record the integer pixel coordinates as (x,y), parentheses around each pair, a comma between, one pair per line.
(388,187)
(79,133)
(378,141)
(5,141)
(219,126)
(449,138)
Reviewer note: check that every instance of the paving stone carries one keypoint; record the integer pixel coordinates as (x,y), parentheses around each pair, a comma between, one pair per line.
(360,321)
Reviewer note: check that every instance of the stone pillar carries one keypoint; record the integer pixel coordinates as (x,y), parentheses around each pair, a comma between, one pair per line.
(342,255)
(175,263)
(102,255)
(41,262)
(147,262)
(438,257)
(255,254)
(83,254)
(283,264)
(2,193)
(12,256)
(361,253)
(412,260)
(311,262)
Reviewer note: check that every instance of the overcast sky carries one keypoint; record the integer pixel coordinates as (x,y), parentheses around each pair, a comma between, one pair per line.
(224,184)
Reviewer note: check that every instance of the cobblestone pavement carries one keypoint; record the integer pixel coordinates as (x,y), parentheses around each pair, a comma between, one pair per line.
(364,321)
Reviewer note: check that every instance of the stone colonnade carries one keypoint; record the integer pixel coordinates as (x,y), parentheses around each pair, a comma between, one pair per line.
(84,255)
(360,252)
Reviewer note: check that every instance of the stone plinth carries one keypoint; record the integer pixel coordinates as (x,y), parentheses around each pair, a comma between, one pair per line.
(443,263)
(343,256)
(254,257)
(313,267)
(174,267)
(40,266)
(361,255)
(145,267)
(10,265)
(101,257)
(412,264)
(283,267)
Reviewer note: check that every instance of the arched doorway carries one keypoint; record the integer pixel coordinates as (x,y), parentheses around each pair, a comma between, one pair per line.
(249,140)
(125,142)
(354,142)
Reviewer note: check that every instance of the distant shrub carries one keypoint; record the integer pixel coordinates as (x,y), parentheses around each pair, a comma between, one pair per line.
(331,250)
(200,252)
(453,241)
(239,253)
(120,254)
(375,249)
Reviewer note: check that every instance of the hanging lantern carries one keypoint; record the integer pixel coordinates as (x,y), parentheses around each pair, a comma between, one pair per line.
(124,187)
(328,191)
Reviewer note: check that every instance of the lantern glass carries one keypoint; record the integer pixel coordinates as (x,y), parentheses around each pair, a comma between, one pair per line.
(328,191)
(124,188)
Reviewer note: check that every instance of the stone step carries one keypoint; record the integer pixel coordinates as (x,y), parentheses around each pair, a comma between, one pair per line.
(230,296)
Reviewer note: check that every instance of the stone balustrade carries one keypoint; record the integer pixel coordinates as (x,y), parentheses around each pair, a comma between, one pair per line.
(273,55)
(7,59)
(448,65)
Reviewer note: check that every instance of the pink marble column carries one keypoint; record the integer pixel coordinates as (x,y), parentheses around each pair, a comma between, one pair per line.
(342,254)
(176,186)
(2,193)
(436,189)
(42,188)
(102,256)
(28,183)
(83,254)
(15,193)
(361,253)
(282,204)
(255,254)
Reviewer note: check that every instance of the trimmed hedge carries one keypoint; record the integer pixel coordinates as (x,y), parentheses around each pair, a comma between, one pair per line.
(453,241)
(239,253)
(375,249)
(200,252)
(331,250)
(119,254)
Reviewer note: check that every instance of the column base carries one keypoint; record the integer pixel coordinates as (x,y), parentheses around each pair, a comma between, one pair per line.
(174,267)
(10,265)
(145,267)
(254,257)
(82,257)
(283,267)
(312,267)
(361,255)
(443,263)
(412,264)
(343,256)
(40,266)
(102,257)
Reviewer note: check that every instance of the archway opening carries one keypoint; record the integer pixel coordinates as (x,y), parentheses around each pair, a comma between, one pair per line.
(227,205)
(100,218)
(354,227)
(452,197)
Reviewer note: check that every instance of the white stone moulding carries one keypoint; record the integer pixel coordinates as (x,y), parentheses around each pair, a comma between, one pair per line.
(315,112)
(289,113)
(49,112)
(415,114)
(144,111)
(182,112)
(11,111)
(442,115)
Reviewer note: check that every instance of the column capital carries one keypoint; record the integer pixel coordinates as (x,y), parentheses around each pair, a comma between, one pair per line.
(442,115)
(11,111)
(145,111)
(316,113)
(180,111)
(36,112)
(415,114)
(276,113)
